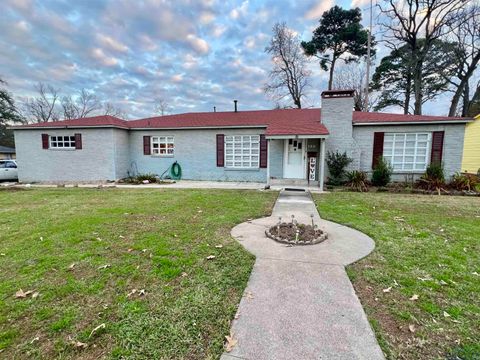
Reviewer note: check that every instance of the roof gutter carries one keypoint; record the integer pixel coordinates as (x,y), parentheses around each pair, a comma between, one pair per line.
(26,127)
(313,136)
(435,122)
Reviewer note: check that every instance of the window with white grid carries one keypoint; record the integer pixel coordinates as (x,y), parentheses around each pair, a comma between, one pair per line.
(242,151)
(62,142)
(407,151)
(163,145)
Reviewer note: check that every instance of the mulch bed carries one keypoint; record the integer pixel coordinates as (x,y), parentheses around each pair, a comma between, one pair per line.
(287,232)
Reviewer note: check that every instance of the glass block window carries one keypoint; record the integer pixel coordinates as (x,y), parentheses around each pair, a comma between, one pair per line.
(62,142)
(242,151)
(162,145)
(407,151)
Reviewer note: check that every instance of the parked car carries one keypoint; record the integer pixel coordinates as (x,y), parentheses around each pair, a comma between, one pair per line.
(8,170)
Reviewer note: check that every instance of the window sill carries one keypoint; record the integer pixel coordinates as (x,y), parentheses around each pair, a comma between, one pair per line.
(242,169)
(60,149)
(162,156)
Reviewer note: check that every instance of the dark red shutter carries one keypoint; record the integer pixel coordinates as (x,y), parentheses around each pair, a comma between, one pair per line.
(44,141)
(437,147)
(378,138)
(263,151)
(78,141)
(146,145)
(220,150)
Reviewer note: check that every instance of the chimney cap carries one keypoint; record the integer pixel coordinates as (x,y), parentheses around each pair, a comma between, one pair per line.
(338,93)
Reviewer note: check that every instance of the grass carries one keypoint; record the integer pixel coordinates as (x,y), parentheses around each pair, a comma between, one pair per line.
(427,246)
(85,251)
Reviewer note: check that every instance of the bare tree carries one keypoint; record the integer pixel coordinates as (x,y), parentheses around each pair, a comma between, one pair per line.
(353,76)
(408,21)
(161,106)
(466,37)
(110,109)
(83,105)
(43,107)
(289,76)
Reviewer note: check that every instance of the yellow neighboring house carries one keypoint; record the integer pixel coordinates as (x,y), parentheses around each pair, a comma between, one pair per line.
(471,147)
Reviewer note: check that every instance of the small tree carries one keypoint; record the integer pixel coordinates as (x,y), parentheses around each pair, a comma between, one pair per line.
(382,173)
(337,163)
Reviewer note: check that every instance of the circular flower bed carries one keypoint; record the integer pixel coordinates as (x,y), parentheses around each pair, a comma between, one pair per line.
(296,234)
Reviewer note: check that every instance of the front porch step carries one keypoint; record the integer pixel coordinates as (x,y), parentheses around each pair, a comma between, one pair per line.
(293,182)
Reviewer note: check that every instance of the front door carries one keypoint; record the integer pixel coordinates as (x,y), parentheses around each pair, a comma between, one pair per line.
(293,165)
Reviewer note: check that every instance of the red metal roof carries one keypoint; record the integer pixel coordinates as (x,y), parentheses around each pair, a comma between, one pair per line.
(276,122)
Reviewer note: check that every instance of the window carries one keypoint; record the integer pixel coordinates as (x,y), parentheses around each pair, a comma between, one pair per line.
(10,165)
(407,151)
(242,151)
(163,145)
(62,142)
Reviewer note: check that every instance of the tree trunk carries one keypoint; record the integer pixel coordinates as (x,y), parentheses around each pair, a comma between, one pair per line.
(466,99)
(332,68)
(417,87)
(461,87)
(408,93)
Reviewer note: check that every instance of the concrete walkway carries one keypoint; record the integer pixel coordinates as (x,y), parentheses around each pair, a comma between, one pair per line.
(299,302)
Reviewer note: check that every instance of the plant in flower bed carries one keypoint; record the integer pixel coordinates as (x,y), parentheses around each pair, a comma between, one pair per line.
(433,179)
(357,180)
(464,182)
(294,233)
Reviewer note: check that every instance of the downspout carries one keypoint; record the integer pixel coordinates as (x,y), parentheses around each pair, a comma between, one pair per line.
(322,163)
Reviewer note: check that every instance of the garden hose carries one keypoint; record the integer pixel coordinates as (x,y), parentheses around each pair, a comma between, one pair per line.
(176,171)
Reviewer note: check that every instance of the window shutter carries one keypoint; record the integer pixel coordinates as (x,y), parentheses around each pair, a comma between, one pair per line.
(378,138)
(45,141)
(263,151)
(220,150)
(437,147)
(78,141)
(146,145)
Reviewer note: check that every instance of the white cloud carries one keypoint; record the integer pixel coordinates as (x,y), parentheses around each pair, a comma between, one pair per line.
(177,78)
(239,11)
(206,17)
(100,56)
(22,26)
(198,44)
(360,3)
(316,11)
(219,30)
(111,43)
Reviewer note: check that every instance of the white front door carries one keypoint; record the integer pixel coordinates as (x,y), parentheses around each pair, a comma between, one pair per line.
(293,164)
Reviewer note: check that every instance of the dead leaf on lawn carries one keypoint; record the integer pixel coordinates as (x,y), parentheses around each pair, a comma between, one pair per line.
(428,278)
(35,339)
(20,294)
(387,290)
(219,246)
(210,257)
(99,239)
(231,342)
(78,344)
(101,326)
(2,254)
(71,266)
(130,250)
(142,292)
(121,236)
(475,273)
(442,282)
(184,274)
(134,291)
(411,328)
(445,314)
(237,315)
(414,297)
(104,266)
(35,295)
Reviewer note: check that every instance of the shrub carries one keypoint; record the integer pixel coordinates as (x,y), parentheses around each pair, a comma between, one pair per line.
(463,182)
(337,163)
(357,180)
(382,173)
(433,179)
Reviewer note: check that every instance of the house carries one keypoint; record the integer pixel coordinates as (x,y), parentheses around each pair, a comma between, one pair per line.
(7,153)
(270,146)
(471,147)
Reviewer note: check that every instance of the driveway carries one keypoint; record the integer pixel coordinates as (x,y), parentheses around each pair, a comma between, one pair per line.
(299,302)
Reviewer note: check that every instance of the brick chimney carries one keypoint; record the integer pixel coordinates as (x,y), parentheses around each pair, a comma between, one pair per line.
(337,115)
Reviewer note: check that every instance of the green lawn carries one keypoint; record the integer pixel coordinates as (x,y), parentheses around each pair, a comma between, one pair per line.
(85,250)
(427,246)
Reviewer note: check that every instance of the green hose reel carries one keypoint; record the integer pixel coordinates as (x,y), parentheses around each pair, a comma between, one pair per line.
(176,171)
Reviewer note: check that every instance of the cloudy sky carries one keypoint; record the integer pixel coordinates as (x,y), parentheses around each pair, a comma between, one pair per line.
(194,54)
